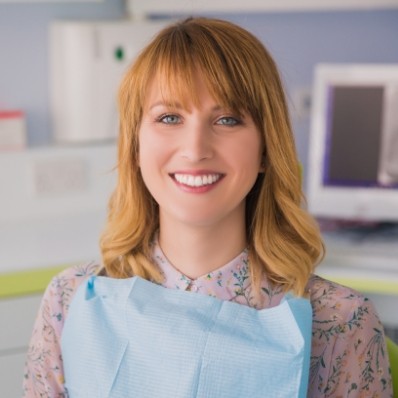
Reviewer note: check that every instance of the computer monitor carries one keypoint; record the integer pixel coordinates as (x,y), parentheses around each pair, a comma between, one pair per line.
(353,155)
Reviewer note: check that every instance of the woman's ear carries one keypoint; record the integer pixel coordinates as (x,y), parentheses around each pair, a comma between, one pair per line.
(262,164)
(137,157)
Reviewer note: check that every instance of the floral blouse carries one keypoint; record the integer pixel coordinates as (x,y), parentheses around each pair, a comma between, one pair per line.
(348,358)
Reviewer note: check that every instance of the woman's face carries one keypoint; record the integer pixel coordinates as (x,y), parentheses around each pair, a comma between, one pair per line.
(198,163)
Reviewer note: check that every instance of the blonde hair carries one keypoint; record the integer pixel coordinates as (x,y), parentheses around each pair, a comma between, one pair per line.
(283,240)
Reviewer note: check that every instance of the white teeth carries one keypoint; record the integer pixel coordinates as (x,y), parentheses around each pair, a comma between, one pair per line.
(197,181)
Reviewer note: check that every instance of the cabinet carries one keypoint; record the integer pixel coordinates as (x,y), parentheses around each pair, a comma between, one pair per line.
(179,7)
(366,260)
(17,317)
(52,213)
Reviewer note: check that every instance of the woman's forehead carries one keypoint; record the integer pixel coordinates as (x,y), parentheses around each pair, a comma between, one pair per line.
(183,92)
(178,92)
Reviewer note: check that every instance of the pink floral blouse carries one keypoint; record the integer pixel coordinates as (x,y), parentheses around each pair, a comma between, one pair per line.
(348,359)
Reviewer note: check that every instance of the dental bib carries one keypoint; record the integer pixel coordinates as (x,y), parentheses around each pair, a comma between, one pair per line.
(133,338)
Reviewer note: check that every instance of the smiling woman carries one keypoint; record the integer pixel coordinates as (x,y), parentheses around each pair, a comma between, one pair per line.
(192,78)
(207,286)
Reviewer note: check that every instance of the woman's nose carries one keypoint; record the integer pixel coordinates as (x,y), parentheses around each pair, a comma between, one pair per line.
(198,143)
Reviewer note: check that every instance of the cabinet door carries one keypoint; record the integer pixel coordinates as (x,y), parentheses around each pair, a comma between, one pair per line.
(17,316)
(11,374)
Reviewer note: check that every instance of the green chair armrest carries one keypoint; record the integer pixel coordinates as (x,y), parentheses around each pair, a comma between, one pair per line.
(392,349)
(32,281)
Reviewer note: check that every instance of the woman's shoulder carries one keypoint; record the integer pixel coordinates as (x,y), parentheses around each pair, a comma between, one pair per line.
(324,292)
(335,305)
(325,288)
(78,272)
(63,286)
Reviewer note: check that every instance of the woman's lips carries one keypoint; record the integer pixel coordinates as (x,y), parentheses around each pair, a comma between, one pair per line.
(197,182)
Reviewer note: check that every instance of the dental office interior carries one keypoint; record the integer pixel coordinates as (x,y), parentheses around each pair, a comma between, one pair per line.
(61,62)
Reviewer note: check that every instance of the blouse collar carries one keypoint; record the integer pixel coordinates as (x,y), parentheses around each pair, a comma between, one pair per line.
(230,282)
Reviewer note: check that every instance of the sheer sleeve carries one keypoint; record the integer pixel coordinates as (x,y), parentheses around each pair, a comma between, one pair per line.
(43,376)
(348,356)
(359,360)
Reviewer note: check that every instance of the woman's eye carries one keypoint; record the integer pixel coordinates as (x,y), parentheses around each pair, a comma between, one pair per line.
(169,119)
(228,121)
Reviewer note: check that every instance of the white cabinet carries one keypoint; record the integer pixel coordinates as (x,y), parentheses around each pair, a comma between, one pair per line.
(46,218)
(172,7)
(11,374)
(368,263)
(17,318)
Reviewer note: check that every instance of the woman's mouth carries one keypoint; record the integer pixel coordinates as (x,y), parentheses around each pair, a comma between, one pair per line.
(197,180)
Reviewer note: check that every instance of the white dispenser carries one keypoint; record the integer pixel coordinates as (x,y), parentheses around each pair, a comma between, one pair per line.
(87,62)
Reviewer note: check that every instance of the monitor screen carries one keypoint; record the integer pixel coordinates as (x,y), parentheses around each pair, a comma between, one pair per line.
(353,165)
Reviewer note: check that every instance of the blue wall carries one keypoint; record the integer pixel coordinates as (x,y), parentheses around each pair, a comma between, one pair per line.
(297,40)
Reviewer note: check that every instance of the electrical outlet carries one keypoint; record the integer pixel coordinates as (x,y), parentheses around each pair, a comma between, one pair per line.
(54,176)
(302,98)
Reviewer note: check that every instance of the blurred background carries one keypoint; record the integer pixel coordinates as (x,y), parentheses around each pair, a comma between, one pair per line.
(60,64)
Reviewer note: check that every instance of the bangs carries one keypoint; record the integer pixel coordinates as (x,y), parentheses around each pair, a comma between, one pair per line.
(182,53)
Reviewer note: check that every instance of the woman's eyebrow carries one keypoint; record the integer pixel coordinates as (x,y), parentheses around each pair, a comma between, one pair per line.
(167,104)
(178,106)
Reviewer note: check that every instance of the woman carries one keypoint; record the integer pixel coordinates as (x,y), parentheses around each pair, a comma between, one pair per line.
(208,201)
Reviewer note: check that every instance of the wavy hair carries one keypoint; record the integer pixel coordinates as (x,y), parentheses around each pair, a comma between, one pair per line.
(283,239)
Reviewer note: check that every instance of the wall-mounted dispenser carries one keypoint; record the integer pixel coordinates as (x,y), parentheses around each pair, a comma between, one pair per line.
(87,62)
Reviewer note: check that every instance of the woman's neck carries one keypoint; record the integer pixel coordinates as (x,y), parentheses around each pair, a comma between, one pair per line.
(196,251)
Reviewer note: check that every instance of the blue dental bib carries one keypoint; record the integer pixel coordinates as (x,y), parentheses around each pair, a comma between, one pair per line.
(133,338)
